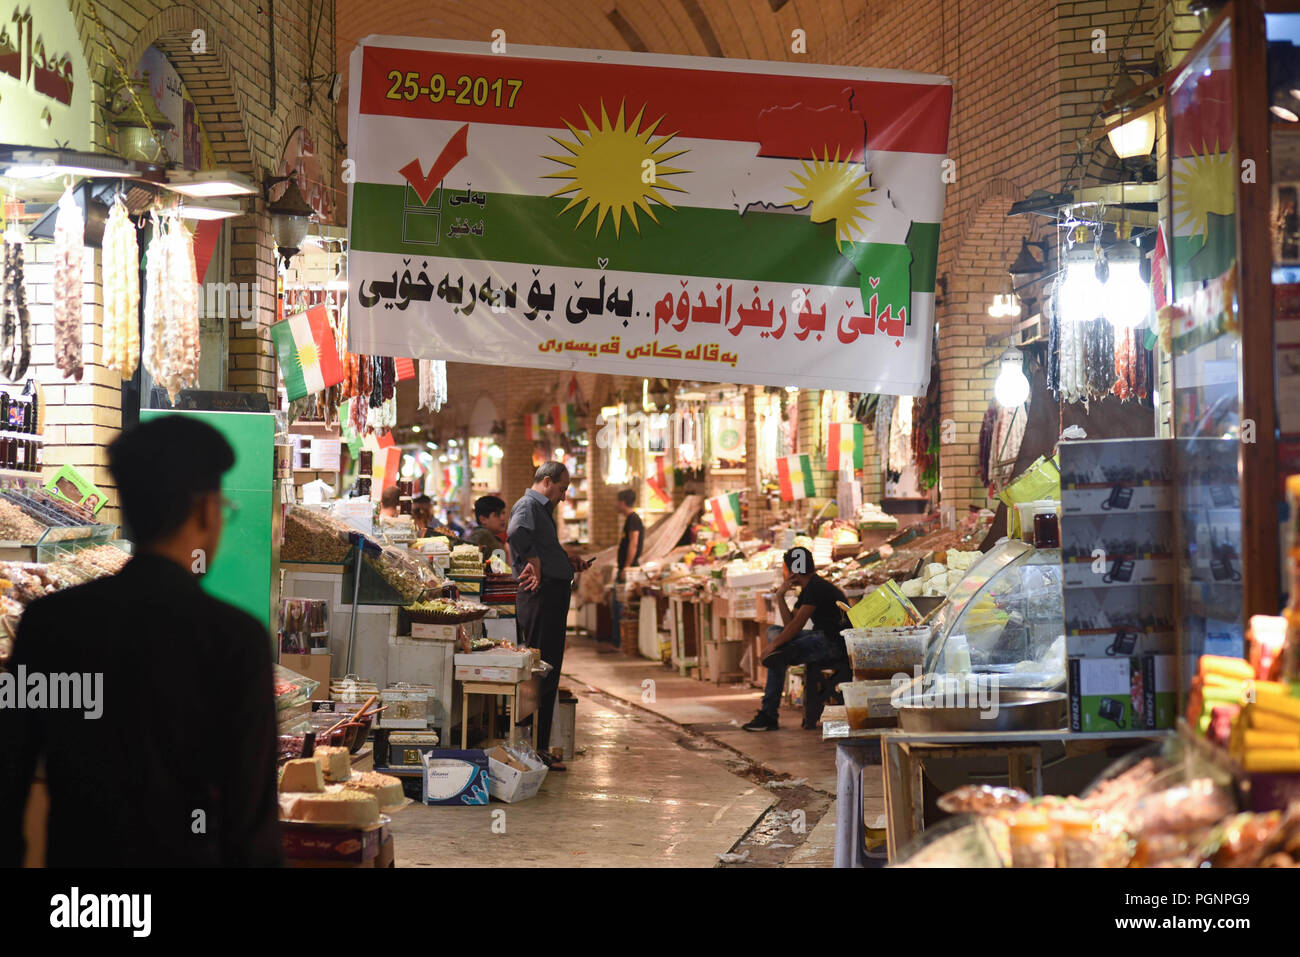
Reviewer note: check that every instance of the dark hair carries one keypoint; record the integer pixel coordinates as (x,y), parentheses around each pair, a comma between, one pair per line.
(421,500)
(801,556)
(390,496)
(488,505)
(628,497)
(161,467)
(555,471)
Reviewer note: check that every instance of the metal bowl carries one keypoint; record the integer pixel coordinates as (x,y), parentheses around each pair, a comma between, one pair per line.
(1016,710)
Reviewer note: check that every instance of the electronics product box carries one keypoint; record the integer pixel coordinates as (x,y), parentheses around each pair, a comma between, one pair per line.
(456,778)
(1123,694)
(513,779)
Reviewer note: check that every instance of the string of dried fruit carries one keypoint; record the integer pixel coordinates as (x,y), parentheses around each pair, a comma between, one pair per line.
(69,236)
(121,292)
(155,307)
(181,330)
(389,367)
(16,349)
(1099,352)
(376,382)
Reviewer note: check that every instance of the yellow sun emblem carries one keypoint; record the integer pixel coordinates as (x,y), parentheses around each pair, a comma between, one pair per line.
(615,168)
(1205,184)
(307,357)
(837,190)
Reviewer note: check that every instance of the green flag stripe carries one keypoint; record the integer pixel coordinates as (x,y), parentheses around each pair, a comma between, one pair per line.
(286,352)
(688,241)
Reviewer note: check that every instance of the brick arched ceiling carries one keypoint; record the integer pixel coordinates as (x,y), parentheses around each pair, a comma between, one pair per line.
(738,29)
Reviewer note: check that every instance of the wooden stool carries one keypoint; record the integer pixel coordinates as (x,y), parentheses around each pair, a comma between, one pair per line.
(493,689)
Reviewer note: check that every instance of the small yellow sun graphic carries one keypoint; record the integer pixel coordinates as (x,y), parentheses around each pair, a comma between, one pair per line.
(837,190)
(307,356)
(1205,184)
(615,168)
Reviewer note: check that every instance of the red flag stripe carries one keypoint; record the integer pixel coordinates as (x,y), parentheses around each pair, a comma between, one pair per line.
(787,115)
(331,369)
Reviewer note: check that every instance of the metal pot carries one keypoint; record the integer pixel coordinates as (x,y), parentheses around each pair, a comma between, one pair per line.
(1016,710)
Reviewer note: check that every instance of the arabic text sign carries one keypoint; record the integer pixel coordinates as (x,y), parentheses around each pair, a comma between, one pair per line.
(572,209)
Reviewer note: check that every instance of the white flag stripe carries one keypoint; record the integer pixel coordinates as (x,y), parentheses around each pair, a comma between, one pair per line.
(724,174)
(876,365)
(311,374)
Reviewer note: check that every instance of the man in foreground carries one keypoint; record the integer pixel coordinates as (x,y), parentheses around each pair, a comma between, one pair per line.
(155,779)
(545,572)
(790,645)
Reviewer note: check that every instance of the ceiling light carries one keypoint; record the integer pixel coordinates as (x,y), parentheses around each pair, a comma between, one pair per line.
(290,215)
(1080,295)
(46,164)
(215,208)
(214,182)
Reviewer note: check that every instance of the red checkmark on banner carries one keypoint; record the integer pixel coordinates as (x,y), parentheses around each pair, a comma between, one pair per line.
(457,149)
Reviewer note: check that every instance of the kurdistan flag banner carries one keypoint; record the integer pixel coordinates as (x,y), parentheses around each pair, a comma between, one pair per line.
(726,514)
(844,446)
(794,474)
(564,418)
(306,352)
(650,215)
(534,425)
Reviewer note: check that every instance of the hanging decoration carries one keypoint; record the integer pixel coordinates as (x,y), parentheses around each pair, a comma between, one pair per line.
(15,324)
(121,270)
(69,229)
(726,514)
(171,317)
(844,447)
(794,472)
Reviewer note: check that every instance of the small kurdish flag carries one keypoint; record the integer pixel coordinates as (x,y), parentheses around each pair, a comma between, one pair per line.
(308,356)
(795,475)
(844,449)
(534,425)
(726,514)
(563,417)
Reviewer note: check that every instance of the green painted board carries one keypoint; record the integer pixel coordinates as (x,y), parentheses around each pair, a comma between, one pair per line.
(241,571)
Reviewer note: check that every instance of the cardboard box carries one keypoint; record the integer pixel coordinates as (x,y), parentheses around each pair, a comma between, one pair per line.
(315,667)
(506,667)
(1123,694)
(456,778)
(511,780)
(341,845)
(420,629)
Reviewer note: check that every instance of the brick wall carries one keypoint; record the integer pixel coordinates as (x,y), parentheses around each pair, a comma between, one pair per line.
(228,84)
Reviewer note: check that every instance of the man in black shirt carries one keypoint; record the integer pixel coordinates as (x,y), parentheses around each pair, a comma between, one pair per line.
(790,644)
(629,556)
(178,767)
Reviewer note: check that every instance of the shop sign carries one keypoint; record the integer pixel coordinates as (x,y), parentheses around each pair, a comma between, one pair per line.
(45,90)
(651,215)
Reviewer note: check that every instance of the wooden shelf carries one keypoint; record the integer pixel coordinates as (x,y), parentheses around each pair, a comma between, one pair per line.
(25,436)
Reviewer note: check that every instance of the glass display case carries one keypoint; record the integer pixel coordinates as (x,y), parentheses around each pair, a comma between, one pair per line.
(1008,610)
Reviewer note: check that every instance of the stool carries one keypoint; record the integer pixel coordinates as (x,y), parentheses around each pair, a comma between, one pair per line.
(820,679)
(494,689)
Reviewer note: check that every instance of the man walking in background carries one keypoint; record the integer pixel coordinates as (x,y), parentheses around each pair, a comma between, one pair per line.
(629,556)
(545,572)
(134,786)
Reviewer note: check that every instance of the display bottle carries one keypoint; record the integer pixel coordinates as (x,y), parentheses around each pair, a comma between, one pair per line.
(4,410)
(33,457)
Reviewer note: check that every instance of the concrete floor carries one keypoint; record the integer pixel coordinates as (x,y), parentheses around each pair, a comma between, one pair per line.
(664,778)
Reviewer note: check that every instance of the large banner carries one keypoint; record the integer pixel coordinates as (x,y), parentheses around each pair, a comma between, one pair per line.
(691,218)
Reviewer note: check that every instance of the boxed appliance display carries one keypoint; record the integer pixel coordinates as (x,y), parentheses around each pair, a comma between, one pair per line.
(458,778)
(1136,693)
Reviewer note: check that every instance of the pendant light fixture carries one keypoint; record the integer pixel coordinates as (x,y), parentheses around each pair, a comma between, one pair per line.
(1011,387)
(290,215)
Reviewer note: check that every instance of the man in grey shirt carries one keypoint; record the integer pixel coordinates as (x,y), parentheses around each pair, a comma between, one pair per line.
(545,572)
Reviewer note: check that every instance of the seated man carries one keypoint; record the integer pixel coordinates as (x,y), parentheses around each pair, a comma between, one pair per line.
(790,645)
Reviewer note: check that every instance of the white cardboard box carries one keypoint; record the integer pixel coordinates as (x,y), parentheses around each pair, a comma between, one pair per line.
(489,673)
(420,629)
(512,785)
